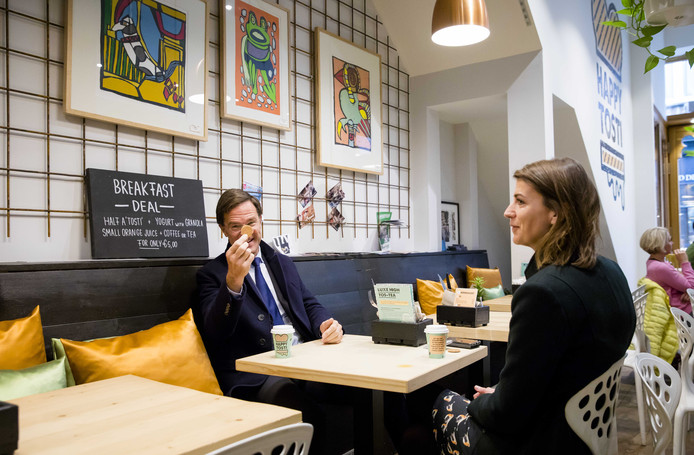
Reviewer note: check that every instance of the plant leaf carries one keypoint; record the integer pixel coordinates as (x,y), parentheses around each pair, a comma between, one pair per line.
(627,3)
(626,11)
(619,24)
(668,51)
(690,57)
(644,41)
(651,62)
(650,30)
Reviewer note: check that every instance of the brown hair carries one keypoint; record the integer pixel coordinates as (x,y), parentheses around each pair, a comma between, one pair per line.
(567,190)
(232,198)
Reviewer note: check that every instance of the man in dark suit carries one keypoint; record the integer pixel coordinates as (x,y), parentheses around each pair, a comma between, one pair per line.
(235,313)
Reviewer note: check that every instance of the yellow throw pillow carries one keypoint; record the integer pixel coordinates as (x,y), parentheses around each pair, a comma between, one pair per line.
(492,277)
(171,352)
(452,282)
(430,294)
(21,342)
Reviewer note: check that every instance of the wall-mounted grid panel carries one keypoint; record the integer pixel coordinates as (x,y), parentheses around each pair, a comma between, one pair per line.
(44,152)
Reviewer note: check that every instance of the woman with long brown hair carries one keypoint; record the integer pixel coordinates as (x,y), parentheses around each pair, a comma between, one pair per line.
(571,320)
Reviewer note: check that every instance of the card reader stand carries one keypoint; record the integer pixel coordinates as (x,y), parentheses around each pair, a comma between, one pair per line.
(409,334)
(462,316)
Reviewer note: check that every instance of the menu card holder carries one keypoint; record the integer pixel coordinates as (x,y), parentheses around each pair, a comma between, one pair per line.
(9,427)
(405,333)
(462,316)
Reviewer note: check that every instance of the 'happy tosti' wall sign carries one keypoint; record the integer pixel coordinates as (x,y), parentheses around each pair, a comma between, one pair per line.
(138,215)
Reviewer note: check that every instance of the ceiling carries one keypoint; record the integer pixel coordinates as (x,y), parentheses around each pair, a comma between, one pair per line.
(408,23)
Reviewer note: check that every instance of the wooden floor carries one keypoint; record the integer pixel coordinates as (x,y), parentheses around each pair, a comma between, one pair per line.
(629,441)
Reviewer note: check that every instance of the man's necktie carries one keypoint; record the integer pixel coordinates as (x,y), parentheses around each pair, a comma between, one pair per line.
(266,294)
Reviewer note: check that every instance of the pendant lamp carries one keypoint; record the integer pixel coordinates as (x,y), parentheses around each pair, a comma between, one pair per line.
(459,22)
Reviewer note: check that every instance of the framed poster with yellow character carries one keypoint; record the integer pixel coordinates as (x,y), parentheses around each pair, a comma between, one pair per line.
(140,63)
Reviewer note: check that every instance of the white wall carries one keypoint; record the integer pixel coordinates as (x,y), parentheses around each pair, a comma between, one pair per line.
(47,151)
(466,178)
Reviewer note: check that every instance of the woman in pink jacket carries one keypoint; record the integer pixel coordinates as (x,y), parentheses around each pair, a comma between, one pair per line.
(658,243)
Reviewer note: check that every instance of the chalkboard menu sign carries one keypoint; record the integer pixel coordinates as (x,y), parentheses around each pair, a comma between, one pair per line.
(137,215)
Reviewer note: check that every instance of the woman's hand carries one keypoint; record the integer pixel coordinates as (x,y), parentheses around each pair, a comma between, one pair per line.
(681,255)
(482,390)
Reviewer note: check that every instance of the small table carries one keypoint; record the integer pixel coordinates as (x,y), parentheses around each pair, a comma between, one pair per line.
(359,362)
(129,414)
(496,330)
(499,304)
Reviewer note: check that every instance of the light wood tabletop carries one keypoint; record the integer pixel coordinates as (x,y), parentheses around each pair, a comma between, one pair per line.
(359,362)
(500,304)
(132,415)
(496,330)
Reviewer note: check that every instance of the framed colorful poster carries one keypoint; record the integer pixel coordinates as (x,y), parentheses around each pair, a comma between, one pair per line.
(140,63)
(450,223)
(348,91)
(255,63)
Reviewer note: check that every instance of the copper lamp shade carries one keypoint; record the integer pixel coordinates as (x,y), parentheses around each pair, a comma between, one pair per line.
(459,22)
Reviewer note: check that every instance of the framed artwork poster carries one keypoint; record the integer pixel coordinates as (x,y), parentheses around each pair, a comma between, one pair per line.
(348,91)
(450,223)
(140,63)
(255,63)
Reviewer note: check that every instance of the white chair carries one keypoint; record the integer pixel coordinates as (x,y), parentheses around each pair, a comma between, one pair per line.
(591,411)
(662,387)
(641,344)
(296,436)
(685,328)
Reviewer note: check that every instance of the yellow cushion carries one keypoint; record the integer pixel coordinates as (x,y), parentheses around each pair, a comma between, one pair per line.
(21,342)
(171,352)
(492,277)
(430,294)
(452,282)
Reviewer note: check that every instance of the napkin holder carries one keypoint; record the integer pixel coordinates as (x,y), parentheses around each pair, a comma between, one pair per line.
(9,428)
(462,315)
(404,333)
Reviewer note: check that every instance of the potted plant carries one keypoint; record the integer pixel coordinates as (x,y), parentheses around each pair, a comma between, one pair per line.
(478,283)
(644,33)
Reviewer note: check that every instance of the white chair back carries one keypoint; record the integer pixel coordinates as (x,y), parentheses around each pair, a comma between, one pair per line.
(662,387)
(685,328)
(641,343)
(690,293)
(591,411)
(296,437)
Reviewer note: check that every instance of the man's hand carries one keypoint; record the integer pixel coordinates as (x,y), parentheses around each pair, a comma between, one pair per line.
(331,331)
(482,390)
(239,260)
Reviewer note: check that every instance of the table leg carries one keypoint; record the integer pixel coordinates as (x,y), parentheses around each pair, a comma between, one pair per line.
(370,435)
(363,422)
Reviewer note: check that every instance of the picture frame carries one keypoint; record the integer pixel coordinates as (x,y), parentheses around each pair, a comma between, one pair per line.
(348,105)
(255,63)
(450,223)
(151,64)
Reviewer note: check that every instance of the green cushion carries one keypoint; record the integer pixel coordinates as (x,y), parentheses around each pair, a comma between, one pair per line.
(493,293)
(59,353)
(37,379)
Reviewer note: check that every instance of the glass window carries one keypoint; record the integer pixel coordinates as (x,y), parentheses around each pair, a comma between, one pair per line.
(679,88)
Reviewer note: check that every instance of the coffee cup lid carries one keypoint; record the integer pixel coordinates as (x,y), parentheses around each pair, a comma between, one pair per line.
(282,329)
(436,328)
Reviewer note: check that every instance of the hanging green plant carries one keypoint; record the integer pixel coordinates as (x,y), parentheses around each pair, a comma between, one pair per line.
(644,33)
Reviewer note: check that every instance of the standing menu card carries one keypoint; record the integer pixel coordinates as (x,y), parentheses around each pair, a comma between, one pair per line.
(395,302)
(145,216)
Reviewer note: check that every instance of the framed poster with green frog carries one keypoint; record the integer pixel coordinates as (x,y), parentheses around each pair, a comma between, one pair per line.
(255,63)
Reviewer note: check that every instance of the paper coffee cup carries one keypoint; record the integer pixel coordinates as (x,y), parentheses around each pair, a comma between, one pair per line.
(436,339)
(282,338)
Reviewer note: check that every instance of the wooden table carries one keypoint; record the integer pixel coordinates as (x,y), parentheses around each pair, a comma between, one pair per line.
(359,362)
(500,304)
(496,330)
(131,415)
